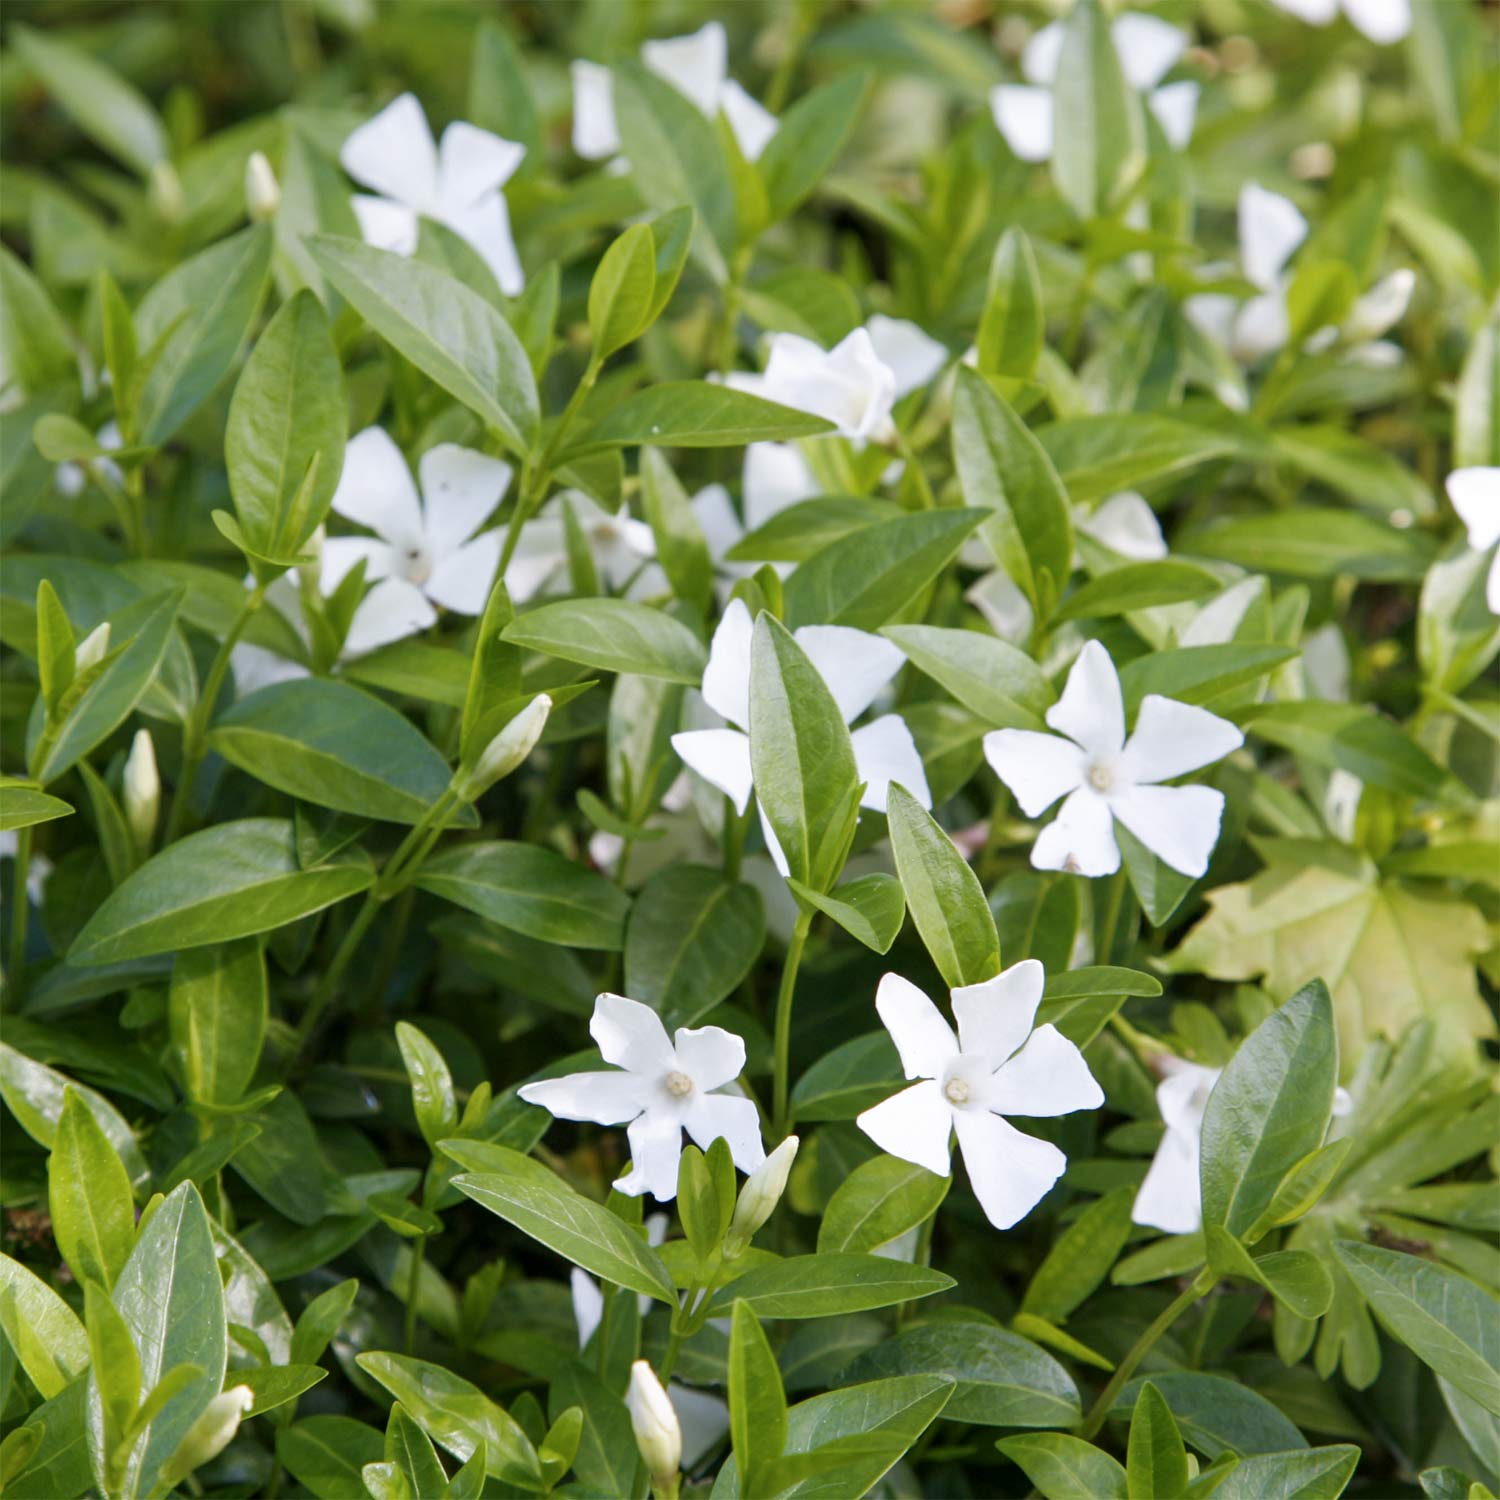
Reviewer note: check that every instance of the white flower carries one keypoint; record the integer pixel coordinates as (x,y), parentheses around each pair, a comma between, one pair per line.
(662,1087)
(996,1066)
(619,545)
(1475,493)
(1125,524)
(848,385)
(422,553)
(1105,777)
(142,788)
(1147,48)
(457,183)
(759,1196)
(1383,21)
(658,1434)
(775,476)
(255,667)
(697,67)
(854,664)
(911,355)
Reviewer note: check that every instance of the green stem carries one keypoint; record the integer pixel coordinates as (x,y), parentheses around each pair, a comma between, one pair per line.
(127,510)
(1461,710)
(413,1286)
(733,841)
(784,1022)
(733,292)
(1104,949)
(20,916)
(914,467)
(334,973)
(1201,1284)
(196,728)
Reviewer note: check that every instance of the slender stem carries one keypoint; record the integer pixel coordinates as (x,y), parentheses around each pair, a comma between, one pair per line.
(733,841)
(413,1286)
(127,511)
(733,292)
(681,1320)
(1461,710)
(196,728)
(1104,950)
(410,850)
(1141,1348)
(20,915)
(914,467)
(334,973)
(784,1022)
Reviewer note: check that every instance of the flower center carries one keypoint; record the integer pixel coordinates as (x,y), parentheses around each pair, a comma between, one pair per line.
(957,1091)
(1101,775)
(678,1084)
(415,563)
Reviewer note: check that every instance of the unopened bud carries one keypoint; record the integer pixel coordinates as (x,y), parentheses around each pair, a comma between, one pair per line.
(759,1196)
(310,573)
(142,789)
(92,649)
(1381,308)
(262,191)
(165,192)
(210,1434)
(657,1432)
(508,748)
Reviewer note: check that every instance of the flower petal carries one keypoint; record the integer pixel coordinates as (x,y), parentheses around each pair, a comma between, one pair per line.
(462,580)
(1081,839)
(773,846)
(1172,738)
(752,123)
(703,1418)
(854,663)
(1010,1172)
(391,611)
(604,1098)
(1182,1096)
(1175,106)
(1383,21)
(884,751)
(722,758)
(913,1125)
(1314,12)
(595,135)
(1148,46)
(996,1016)
(1126,524)
(1042,54)
(485,224)
(339,554)
(1006,610)
(588,1304)
(775,476)
(1178,824)
(922,1037)
(1038,768)
(694,65)
(630,1035)
(376,490)
(726,679)
(1090,711)
(1381,308)
(541,551)
(1475,495)
(472,162)
(731,1117)
(1171,1198)
(709,1055)
(460,490)
(720,524)
(655,1152)
(912,355)
(394,154)
(386,224)
(1048,1076)
(1270,227)
(1024,117)
(1261,327)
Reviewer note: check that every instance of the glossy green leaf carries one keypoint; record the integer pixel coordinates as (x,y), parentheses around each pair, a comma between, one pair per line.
(757,1403)
(1156,1463)
(432,1096)
(217,1009)
(991,678)
(23,805)
(1062,1467)
(1138,586)
(826,1284)
(1013,323)
(695,414)
(623,290)
(1353,738)
(45,1333)
(878,1202)
(614,635)
(871,908)
(88,1196)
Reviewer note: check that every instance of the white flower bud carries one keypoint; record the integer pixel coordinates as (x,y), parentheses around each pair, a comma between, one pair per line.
(262,191)
(210,1434)
(759,1196)
(142,789)
(165,192)
(92,649)
(657,1432)
(508,748)
(310,573)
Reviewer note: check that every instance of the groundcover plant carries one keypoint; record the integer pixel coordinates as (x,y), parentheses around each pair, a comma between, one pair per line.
(747,749)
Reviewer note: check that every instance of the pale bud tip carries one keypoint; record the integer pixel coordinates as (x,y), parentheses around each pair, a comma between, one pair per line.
(92,649)
(653,1419)
(262,191)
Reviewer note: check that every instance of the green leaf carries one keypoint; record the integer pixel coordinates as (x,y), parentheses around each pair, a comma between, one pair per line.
(847,1080)
(112,112)
(1099,456)
(757,1403)
(943,895)
(1198,675)
(1365,474)
(692,937)
(451,334)
(800,755)
(1100,150)
(1062,1467)
(1013,323)
(1270,1107)
(275,1385)
(808,140)
(432,1096)
(1216,1414)
(1156,1464)
(681,547)
(1138,586)
(287,415)
(623,290)
(23,805)
(327,1454)
(35,342)
(694,414)
(1003,1379)
(171,1299)
(45,1333)
(409,1448)
(1315,542)
(806,528)
(230,881)
(321,1319)
(873,574)
(1353,738)
(577,1229)
(331,744)
(218,1008)
(871,908)
(532,889)
(1312,1474)
(1448,1321)
(1081,1256)
(878,1202)
(1004,469)
(1476,421)
(1080,1002)
(458,1416)
(615,635)
(200,315)
(826,1284)
(88,1196)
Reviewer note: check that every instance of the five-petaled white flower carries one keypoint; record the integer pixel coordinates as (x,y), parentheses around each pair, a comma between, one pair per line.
(1147,47)
(424,551)
(458,183)
(660,1088)
(997,1065)
(854,664)
(1105,777)
(1383,21)
(848,385)
(1475,493)
(697,66)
